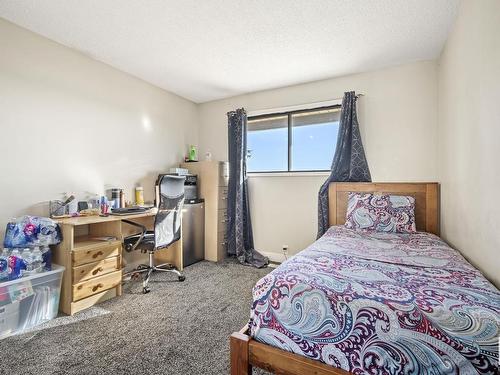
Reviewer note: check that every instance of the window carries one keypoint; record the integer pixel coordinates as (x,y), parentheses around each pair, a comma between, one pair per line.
(293,141)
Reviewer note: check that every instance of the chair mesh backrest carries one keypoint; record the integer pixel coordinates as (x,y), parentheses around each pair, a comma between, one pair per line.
(168,218)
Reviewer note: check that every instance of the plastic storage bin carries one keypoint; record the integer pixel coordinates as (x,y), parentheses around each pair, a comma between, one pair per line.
(29,301)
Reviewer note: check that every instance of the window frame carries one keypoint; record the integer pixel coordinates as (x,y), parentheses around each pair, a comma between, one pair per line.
(289,115)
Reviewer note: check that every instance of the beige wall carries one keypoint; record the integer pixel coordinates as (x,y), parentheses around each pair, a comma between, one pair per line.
(72,124)
(469,135)
(61,114)
(398,119)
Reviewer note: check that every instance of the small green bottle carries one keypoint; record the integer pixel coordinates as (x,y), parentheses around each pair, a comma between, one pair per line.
(192,153)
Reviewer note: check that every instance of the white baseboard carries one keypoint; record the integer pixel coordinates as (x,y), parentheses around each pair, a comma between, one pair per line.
(274,257)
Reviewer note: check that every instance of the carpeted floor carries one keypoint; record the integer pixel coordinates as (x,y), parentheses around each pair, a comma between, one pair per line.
(178,328)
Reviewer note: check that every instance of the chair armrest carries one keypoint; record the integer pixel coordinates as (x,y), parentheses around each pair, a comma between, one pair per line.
(135,225)
(143,232)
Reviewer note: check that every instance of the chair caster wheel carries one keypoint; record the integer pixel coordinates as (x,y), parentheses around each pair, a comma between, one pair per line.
(145,290)
(182,278)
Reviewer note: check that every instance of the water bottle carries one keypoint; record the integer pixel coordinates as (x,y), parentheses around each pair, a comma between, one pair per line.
(27,257)
(46,257)
(37,260)
(4,265)
(16,265)
(15,253)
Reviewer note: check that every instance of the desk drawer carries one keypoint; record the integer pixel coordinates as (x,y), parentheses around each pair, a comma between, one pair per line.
(223,180)
(222,238)
(223,174)
(222,244)
(222,197)
(222,220)
(96,285)
(88,271)
(96,253)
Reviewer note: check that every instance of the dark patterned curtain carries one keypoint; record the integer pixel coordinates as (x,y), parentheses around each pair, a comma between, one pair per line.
(239,226)
(349,162)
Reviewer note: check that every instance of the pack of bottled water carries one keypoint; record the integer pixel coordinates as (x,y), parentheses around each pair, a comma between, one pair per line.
(19,262)
(26,247)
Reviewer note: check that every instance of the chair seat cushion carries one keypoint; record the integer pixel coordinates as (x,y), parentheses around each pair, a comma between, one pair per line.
(147,242)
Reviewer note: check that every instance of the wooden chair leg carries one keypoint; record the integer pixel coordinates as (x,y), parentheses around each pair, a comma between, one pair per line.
(239,354)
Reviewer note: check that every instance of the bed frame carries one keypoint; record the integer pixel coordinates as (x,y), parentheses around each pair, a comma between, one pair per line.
(426,196)
(247,353)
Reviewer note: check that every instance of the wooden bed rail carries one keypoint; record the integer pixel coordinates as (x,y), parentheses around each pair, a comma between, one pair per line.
(247,353)
(240,364)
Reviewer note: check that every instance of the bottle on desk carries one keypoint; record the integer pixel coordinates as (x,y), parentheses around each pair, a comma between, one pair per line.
(122,199)
(139,196)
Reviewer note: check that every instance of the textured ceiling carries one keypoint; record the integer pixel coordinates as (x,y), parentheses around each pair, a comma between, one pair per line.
(211,49)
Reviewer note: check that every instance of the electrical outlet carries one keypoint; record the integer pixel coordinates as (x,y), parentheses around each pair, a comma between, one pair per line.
(285,251)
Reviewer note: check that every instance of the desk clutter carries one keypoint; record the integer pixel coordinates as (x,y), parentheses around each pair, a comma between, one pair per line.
(75,259)
(111,203)
(29,284)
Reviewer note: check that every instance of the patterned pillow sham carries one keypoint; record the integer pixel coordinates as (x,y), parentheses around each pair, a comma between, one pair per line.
(381,213)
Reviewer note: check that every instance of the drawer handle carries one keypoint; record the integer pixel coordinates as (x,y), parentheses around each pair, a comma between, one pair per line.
(97,287)
(97,270)
(98,254)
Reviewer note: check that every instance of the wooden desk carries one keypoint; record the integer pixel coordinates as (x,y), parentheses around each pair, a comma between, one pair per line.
(94,268)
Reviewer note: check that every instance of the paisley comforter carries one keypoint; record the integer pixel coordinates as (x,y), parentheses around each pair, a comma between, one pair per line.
(381,303)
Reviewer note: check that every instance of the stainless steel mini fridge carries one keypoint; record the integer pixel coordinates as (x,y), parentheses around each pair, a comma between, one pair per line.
(193,231)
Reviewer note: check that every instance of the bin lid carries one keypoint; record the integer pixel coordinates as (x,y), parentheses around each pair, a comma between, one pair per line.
(56,268)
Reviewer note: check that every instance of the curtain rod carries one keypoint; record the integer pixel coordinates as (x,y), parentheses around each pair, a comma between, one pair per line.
(324,103)
(357,96)
(329,100)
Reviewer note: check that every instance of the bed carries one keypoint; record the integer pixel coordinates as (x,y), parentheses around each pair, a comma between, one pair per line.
(369,302)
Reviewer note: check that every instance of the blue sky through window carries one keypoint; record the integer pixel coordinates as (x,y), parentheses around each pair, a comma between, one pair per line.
(267,150)
(313,146)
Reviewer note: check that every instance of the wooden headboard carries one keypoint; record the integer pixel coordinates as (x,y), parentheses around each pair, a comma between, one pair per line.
(426,200)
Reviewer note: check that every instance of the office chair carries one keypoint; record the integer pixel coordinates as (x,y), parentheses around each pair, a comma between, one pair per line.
(167,229)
